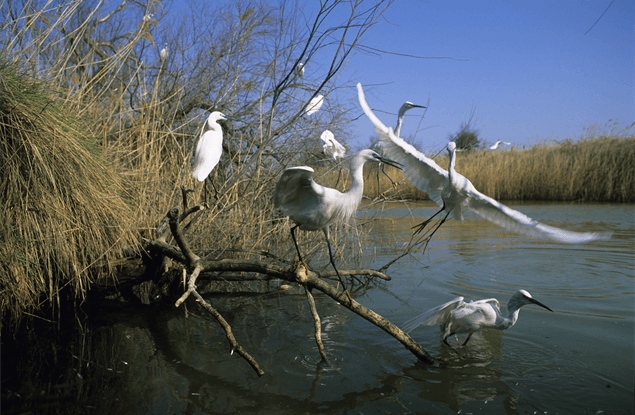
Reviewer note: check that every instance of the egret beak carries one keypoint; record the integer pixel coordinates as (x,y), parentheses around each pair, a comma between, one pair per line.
(418,106)
(227,118)
(389,162)
(539,303)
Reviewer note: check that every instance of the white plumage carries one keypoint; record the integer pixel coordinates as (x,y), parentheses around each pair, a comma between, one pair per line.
(453,192)
(314,105)
(331,146)
(495,146)
(313,207)
(209,147)
(299,70)
(458,317)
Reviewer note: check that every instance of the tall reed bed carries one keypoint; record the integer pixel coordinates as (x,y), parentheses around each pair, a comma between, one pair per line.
(598,169)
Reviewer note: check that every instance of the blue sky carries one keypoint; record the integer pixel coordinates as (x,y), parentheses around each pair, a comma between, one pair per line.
(527,68)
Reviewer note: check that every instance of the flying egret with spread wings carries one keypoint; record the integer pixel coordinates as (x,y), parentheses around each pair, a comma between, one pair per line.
(314,105)
(453,192)
(313,207)
(458,317)
(495,146)
(332,147)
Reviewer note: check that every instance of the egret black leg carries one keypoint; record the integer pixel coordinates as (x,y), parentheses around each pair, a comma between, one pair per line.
(439,225)
(336,271)
(468,339)
(386,174)
(296,242)
(425,222)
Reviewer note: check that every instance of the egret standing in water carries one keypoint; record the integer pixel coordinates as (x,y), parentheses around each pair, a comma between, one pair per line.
(314,105)
(313,207)
(495,146)
(458,317)
(331,147)
(209,147)
(453,192)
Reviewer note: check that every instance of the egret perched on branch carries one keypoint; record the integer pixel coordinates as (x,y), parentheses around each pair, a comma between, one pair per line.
(453,192)
(495,146)
(331,147)
(457,316)
(313,207)
(164,53)
(314,105)
(209,147)
(299,70)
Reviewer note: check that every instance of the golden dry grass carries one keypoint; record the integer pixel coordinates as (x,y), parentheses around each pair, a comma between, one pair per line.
(598,169)
(63,209)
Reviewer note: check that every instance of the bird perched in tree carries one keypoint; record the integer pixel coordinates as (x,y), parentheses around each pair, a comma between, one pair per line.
(314,105)
(458,317)
(313,207)
(299,70)
(331,147)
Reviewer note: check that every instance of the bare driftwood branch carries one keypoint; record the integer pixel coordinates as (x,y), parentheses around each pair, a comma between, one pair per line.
(193,261)
(297,274)
(318,324)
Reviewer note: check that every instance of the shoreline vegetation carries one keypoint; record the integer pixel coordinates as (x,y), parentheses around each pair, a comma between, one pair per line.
(597,169)
(98,130)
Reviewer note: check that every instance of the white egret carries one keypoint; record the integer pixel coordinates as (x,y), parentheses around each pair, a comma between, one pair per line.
(313,207)
(453,192)
(332,147)
(299,70)
(164,53)
(314,105)
(402,112)
(400,116)
(495,146)
(458,317)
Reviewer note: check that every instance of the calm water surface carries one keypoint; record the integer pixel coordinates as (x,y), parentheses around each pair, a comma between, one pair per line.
(579,359)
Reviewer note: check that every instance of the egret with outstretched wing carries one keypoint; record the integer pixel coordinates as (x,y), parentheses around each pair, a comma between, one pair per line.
(453,192)
(459,317)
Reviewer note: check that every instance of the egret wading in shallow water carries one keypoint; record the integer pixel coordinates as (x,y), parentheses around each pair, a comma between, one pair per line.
(209,147)
(313,207)
(453,192)
(458,317)
(331,147)
(314,105)
(495,146)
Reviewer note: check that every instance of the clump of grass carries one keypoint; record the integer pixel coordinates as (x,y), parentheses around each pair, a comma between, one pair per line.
(63,209)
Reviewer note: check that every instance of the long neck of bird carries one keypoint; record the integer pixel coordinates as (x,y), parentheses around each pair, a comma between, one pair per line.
(512,317)
(357,178)
(400,116)
(451,170)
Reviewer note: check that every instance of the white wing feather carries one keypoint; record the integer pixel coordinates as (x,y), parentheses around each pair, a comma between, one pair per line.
(515,221)
(422,171)
(436,315)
